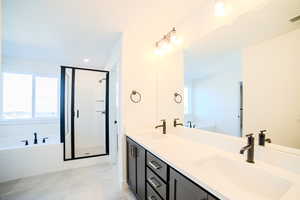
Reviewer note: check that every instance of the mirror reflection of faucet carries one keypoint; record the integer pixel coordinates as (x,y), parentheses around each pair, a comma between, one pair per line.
(190,125)
(262,138)
(35,138)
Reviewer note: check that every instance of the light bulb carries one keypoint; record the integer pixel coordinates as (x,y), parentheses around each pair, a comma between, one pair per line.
(175,40)
(159,51)
(166,46)
(220,8)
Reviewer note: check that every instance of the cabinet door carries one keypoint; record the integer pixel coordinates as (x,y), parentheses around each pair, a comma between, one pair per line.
(131,165)
(182,188)
(140,172)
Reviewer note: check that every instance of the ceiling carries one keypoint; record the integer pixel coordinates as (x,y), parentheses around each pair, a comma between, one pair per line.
(68,31)
(60,31)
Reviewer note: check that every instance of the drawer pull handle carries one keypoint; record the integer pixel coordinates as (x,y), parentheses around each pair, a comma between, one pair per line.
(154,165)
(154,182)
(152,198)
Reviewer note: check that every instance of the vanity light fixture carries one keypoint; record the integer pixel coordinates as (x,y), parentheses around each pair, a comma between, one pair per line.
(167,43)
(295,19)
(220,8)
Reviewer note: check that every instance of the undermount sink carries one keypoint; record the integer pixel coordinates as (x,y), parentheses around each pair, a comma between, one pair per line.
(242,178)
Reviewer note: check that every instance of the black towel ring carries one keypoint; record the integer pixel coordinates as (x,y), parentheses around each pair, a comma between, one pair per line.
(135,93)
(177,98)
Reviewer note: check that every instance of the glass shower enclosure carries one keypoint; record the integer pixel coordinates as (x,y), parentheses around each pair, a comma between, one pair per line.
(84,112)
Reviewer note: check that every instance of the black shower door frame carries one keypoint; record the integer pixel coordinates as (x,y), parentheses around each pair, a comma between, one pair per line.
(62,112)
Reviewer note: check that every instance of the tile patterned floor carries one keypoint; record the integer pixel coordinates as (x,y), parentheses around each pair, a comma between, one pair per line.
(97,182)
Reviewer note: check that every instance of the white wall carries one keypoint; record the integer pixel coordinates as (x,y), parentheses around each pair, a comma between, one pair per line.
(272,85)
(147,73)
(113,64)
(216,94)
(0,41)
(1,27)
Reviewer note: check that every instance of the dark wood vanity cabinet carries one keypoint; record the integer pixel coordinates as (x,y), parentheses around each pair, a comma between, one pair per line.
(136,169)
(150,178)
(182,188)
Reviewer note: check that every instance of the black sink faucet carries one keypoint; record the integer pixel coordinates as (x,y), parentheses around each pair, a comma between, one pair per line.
(177,124)
(262,138)
(163,125)
(35,139)
(249,148)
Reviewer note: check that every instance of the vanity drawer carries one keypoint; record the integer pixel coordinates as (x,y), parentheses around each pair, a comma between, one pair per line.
(156,183)
(158,166)
(151,194)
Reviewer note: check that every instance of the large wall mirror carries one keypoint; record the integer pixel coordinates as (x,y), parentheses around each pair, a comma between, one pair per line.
(245,76)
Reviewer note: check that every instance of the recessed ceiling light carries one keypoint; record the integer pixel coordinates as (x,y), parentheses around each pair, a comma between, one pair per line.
(86,60)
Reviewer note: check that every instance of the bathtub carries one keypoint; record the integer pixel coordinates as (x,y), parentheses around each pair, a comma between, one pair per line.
(20,161)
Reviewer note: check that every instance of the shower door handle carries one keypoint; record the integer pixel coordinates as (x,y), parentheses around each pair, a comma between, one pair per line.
(77,113)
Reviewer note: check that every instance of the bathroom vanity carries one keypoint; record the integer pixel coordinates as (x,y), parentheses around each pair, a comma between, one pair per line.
(190,164)
(151,178)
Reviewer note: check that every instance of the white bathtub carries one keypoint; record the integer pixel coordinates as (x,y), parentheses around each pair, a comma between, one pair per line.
(19,161)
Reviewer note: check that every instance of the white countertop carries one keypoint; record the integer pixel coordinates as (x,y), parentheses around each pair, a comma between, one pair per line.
(212,168)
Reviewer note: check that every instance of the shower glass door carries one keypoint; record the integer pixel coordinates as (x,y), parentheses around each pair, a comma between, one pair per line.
(85,105)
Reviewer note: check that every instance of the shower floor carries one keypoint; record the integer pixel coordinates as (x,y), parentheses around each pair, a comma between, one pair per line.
(88,151)
(99,182)
(80,152)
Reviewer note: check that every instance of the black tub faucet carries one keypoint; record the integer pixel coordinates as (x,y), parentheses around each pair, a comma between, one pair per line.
(262,138)
(25,142)
(249,148)
(44,139)
(35,139)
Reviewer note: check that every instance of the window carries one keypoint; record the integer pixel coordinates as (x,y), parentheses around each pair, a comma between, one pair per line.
(17,96)
(46,102)
(29,97)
